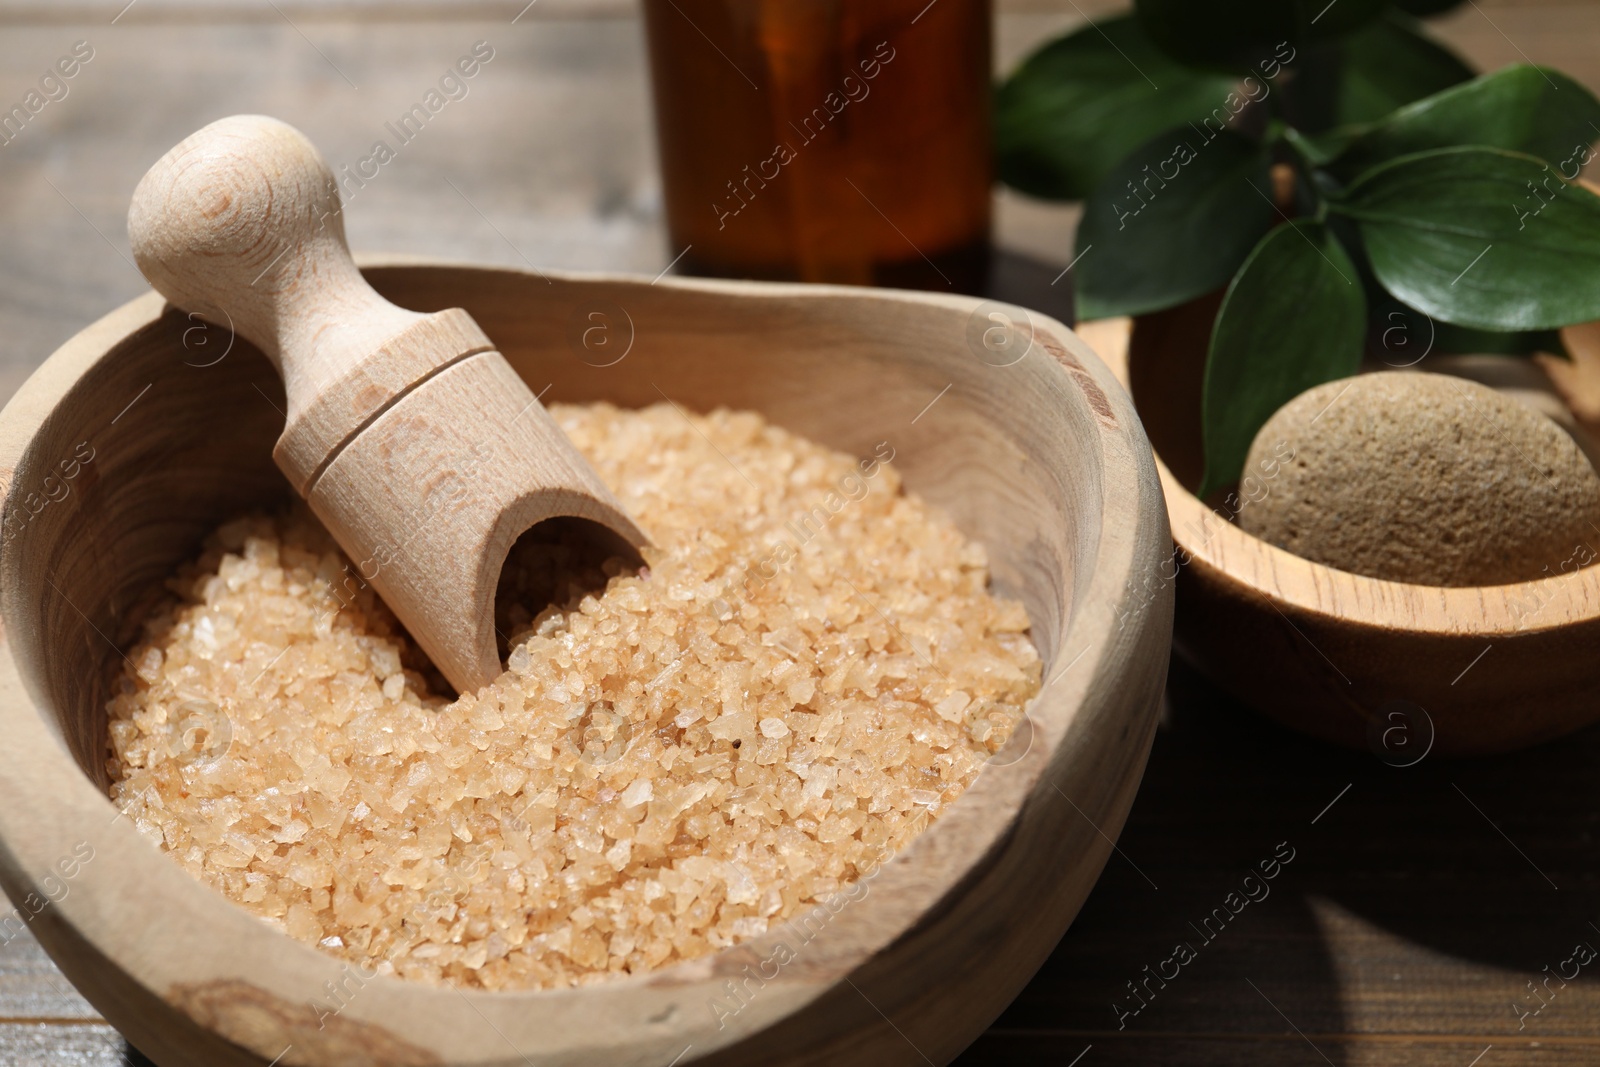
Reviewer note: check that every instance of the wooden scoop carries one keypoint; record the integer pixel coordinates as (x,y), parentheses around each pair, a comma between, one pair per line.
(414,441)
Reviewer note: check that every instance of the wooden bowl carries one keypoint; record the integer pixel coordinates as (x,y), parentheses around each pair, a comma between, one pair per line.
(139,436)
(1401,668)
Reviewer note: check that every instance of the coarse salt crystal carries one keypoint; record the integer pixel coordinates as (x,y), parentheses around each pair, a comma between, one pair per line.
(950,709)
(674,759)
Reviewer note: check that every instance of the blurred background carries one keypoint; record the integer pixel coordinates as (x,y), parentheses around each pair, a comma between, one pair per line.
(549,158)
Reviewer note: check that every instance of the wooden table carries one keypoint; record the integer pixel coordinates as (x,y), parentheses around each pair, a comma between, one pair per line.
(1420,903)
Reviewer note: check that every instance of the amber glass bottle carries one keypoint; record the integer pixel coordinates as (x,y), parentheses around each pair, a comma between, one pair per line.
(826,140)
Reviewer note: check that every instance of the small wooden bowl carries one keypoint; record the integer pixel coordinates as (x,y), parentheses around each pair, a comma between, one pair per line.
(140,435)
(1403,669)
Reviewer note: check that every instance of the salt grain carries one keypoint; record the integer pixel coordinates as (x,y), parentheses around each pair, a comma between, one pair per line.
(704,750)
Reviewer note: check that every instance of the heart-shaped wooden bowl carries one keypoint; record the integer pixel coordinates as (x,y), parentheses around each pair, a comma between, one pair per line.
(146,430)
(1404,669)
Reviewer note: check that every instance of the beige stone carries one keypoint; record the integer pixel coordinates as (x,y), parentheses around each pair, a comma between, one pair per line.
(1422,478)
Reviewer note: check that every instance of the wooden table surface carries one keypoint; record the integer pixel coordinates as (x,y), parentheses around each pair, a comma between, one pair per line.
(1423,907)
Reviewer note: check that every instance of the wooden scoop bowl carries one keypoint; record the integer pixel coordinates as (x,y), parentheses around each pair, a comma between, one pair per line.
(1406,671)
(413,440)
(1040,459)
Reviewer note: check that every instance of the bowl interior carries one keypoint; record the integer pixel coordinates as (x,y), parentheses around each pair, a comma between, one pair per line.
(1166,372)
(149,429)
(148,451)
(171,434)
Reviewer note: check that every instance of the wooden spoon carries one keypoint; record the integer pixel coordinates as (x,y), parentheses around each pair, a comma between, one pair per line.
(415,443)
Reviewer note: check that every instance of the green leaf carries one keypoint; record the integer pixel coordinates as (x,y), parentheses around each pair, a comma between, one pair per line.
(1238,34)
(1523,109)
(1172,221)
(1390,64)
(1320,149)
(1082,102)
(1294,317)
(1480,237)
(1362,78)
(1401,337)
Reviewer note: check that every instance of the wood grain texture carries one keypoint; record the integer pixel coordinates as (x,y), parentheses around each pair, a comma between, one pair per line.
(1039,459)
(32,988)
(468,186)
(29,1044)
(241,223)
(341,407)
(1420,904)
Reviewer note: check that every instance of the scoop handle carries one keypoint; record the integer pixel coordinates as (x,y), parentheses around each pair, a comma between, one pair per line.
(241,223)
(413,440)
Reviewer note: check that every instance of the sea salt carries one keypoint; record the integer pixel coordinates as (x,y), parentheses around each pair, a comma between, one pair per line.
(674,760)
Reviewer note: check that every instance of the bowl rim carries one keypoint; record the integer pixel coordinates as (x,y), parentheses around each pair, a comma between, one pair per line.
(1132,535)
(1287,581)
